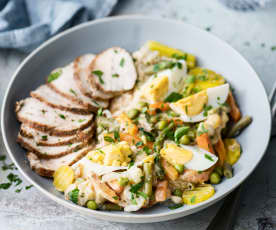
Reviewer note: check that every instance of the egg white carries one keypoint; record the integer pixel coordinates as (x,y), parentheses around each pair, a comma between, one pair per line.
(202,159)
(216,96)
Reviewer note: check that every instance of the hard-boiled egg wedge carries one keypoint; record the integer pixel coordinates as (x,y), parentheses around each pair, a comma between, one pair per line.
(161,84)
(104,160)
(193,108)
(191,157)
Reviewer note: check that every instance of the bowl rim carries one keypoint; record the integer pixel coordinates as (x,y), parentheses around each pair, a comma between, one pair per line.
(115,216)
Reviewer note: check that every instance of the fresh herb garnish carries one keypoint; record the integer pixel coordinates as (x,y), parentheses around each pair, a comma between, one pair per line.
(173,97)
(147,150)
(139,143)
(62,116)
(73,92)
(115,197)
(99,74)
(202,78)
(54,76)
(14,179)
(179,57)
(115,75)
(122,62)
(18,190)
(179,65)
(208,157)
(131,164)
(193,199)
(149,136)
(5,185)
(202,130)
(133,201)
(44,138)
(74,195)
(140,193)
(109,139)
(100,112)
(2,157)
(190,79)
(81,120)
(8,167)
(273,48)
(175,206)
(116,135)
(28,187)
(135,188)
(206,109)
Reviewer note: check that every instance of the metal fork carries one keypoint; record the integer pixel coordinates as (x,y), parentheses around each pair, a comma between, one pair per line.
(225,218)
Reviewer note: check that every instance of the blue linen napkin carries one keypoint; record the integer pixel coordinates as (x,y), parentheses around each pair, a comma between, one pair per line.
(25,24)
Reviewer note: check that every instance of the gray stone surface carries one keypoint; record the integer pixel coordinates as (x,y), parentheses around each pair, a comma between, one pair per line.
(246,32)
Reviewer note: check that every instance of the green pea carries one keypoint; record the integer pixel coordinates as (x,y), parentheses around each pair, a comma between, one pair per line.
(123,181)
(177,192)
(179,132)
(162,124)
(179,168)
(91,204)
(215,178)
(185,140)
(133,113)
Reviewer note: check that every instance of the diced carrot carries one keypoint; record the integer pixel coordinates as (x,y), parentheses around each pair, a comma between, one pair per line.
(132,140)
(170,171)
(203,141)
(114,184)
(235,111)
(221,151)
(159,105)
(130,126)
(161,191)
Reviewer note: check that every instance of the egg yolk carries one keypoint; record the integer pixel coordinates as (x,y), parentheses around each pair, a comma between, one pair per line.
(175,154)
(111,155)
(157,89)
(192,105)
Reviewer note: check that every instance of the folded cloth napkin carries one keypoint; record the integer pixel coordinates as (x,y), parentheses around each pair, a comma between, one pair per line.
(25,24)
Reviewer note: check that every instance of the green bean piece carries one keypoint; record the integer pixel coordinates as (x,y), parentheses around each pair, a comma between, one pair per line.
(111,207)
(185,140)
(236,129)
(215,178)
(177,192)
(179,132)
(179,168)
(227,170)
(133,113)
(91,204)
(123,181)
(162,124)
(219,170)
(148,178)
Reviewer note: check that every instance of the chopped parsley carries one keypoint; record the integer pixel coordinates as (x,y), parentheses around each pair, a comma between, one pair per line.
(29,186)
(190,79)
(131,164)
(140,193)
(122,62)
(62,116)
(202,130)
(273,48)
(135,188)
(81,120)
(173,97)
(115,197)
(44,138)
(139,143)
(179,57)
(193,199)
(206,109)
(109,139)
(208,157)
(73,92)
(18,190)
(5,185)
(115,75)
(2,157)
(179,65)
(100,112)
(8,167)
(175,206)
(99,74)
(54,76)
(116,135)
(147,150)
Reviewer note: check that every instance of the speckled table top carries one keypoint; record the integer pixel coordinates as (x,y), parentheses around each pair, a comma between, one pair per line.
(253,34)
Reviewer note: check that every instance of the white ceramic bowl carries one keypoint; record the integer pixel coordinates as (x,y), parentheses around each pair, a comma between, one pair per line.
(131,32)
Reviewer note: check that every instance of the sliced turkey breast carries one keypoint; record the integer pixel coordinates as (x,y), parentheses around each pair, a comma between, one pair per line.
(113,71)
(121,103)
(44,139)
(66,86)
(49,151)
(45,94)
(42,117)
(81,75)
(47,167)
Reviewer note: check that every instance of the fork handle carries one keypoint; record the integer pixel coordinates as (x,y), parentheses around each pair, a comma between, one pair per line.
(227,212)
